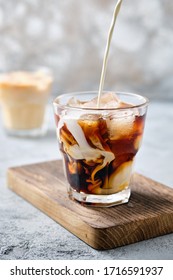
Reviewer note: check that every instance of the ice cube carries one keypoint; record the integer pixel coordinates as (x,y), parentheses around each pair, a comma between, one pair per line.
(73,102)
(120,124)
(121,177)
(107,100)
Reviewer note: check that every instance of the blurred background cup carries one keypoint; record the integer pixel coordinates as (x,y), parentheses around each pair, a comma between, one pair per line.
(99,145)
(23,97)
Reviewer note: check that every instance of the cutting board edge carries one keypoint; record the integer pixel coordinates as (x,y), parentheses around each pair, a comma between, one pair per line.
(95,232)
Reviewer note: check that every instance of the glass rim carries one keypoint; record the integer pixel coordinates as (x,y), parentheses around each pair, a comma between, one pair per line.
(144,100)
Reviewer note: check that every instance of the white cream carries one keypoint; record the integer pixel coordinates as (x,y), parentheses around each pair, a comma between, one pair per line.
(82,150)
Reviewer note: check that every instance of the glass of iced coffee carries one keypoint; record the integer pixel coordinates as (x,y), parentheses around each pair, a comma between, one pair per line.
(99,144)
(23,99)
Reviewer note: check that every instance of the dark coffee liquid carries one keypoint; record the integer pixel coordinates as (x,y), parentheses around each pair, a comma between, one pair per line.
(124,149)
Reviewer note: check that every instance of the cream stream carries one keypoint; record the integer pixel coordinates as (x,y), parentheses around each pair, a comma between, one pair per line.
(105,59)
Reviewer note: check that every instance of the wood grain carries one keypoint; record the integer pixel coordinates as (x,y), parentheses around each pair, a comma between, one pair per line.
(148,214)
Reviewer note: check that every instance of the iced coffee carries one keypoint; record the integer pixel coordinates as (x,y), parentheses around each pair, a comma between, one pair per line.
(99,134)
(23,99)
(99,145)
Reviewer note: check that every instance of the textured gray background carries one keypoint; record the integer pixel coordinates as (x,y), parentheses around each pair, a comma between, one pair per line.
(69,37)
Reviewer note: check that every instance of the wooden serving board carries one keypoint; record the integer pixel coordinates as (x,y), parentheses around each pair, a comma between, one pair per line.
(148,214)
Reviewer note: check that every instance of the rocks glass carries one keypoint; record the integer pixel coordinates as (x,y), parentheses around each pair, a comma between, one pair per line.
(99,145)
(23,99)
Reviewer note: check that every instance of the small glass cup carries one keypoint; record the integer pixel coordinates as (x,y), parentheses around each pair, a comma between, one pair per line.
(99,146)
(23,99)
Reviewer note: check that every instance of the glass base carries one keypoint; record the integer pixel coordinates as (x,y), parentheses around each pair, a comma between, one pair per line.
(36,132)
(100,200)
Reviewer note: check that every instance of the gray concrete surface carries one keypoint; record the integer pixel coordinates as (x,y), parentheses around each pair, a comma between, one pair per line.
(26,233)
